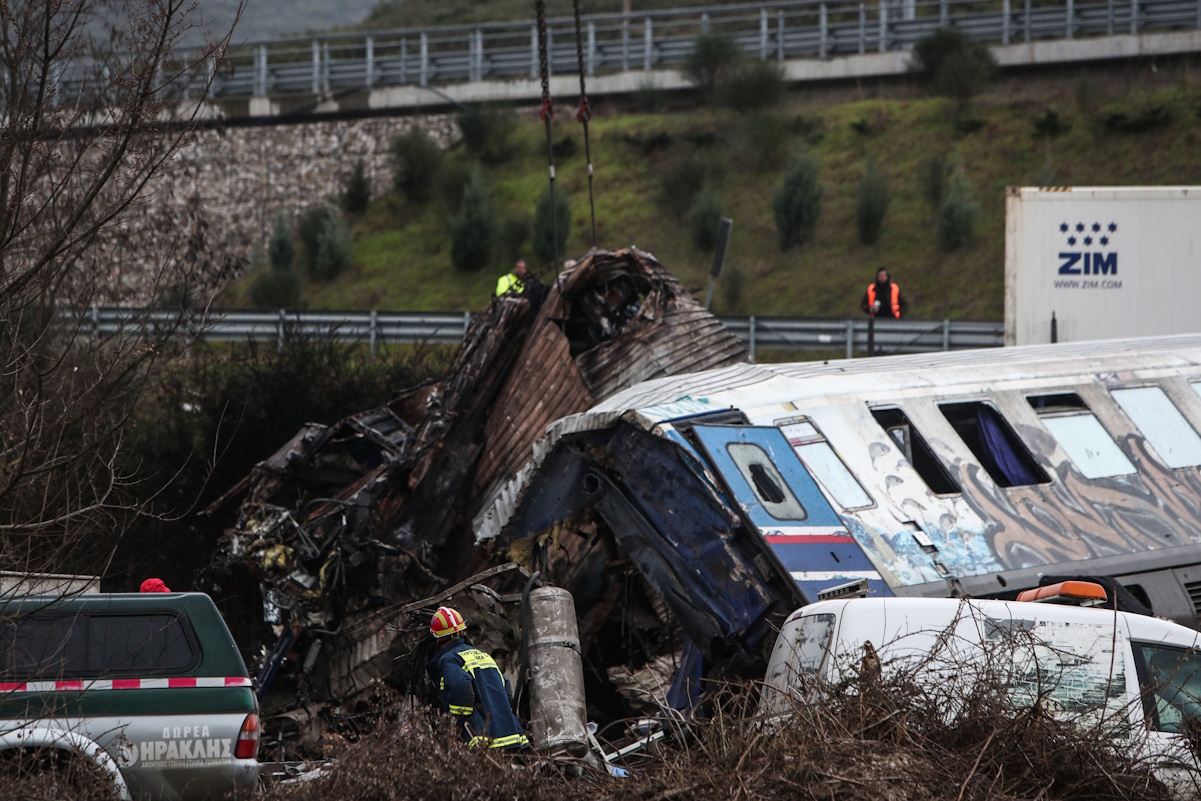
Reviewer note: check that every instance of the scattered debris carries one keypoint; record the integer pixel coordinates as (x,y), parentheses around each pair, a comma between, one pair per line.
(356,532)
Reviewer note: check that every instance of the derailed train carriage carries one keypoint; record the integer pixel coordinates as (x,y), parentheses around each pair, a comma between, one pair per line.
(742,493)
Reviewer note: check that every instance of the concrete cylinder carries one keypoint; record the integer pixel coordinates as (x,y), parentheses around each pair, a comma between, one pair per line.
(558,713)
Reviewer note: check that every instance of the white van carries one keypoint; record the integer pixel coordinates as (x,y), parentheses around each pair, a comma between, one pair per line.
(1138,677)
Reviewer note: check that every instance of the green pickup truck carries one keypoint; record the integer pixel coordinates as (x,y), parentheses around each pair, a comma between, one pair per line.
(148,687)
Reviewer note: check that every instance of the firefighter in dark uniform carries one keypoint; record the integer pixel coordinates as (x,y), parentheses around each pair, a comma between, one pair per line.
(471,687)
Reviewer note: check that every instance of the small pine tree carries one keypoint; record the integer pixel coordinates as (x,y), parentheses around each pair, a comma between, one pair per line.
(798,202)
(872,205)
(277,285)
(953,65)
(705,220)
(473,231)
(416,158)
(713,57)
(333,248)
(281,249)
(958,214)
(356,194)
(548,229)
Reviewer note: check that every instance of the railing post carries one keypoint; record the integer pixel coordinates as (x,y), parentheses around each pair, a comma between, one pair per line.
(94,313)
(480,70)
(316,83)
(260,55)
(850,337)
(1005,14)
(466,322)
(779,34)
(648,45)
(705,24)
(944,14)
(325,66)
(374,332)
(1027,20)
(404,58)
(425,59)
(1069,13)
(591,47)
(533,51)
(471,56)
(550,51)
(763,34)
(1109,16)
(370,80)
(751,329)
(883,26)
(946,334)
(625,45)
(1133,17)
(824,26)
(279,330)
(863,28)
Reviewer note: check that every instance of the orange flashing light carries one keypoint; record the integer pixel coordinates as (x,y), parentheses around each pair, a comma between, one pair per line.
(1085,593)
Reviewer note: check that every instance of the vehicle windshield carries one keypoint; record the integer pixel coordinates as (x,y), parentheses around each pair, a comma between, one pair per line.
(796,666)
(1171,685)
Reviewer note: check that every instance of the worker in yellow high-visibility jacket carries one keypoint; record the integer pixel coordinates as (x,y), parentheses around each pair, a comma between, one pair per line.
(513,282)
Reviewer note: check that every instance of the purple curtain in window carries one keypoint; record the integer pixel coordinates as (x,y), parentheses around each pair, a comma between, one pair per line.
(1011,466)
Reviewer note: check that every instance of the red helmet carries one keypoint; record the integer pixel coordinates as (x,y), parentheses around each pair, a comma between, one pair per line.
(446,622)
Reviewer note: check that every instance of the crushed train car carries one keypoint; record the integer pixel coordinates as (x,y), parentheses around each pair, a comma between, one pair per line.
(347,526)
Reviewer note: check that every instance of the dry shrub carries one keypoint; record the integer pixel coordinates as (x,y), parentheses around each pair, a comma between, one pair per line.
(45,774)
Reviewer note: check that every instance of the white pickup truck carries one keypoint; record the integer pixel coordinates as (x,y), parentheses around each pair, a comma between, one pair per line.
(1139,677)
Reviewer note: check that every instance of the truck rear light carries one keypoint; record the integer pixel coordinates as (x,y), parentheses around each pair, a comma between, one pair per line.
(248,738)
(1084,593)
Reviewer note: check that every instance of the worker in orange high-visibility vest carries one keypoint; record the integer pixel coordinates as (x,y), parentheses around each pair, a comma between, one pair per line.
(883,298)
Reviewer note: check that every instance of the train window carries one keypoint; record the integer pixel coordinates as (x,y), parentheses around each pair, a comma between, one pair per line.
(825,465)
(914,446)
(770,488)
(1081,435)
(994,443)
(1165,428)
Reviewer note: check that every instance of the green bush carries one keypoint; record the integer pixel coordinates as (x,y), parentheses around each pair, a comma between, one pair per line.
(1138,120)
(798,202)
(548,229)
(1050,124)
(958,215)
(705,219)
(679,184)
(714,56)
(755,85)
(473,230)
(281,250)
(276,288)
(952,65)
(450,182)
(769,137)
(416,158)
(872,205)
(487,132)
(312,222)
(333,248)
(356,192)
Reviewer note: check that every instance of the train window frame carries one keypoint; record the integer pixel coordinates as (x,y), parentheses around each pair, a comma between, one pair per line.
(1067,406)
(818,438)
(1150,423)
(736,451)
(983,454)
(913,437)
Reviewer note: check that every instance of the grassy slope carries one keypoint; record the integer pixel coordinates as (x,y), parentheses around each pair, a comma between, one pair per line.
(401,258)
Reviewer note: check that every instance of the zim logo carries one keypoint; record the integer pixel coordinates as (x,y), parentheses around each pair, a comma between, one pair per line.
(1083,262)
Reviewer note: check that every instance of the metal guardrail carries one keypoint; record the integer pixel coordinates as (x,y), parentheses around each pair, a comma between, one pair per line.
(786,29)
(616,43)
(374,328)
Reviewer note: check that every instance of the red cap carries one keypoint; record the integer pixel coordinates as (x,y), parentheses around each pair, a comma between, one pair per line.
(154,585)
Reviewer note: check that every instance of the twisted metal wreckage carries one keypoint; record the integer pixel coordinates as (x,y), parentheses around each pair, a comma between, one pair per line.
(356,532)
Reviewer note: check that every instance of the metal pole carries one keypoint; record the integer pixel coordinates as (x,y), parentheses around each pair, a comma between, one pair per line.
(425,58)
(1027,20)
(943,13)
(850,338)
(883,26)
(1133,17)
(1005,13)
(863,28)
(533,51)
(316,83)
(871,335)
(752,336)
(763,34)
(279,328)
(779,34)
(625,45)
(705,24)
(466,322)
(374,332)
(404,57)
(824,24)
(550,51)
(325,67)
(1069,13)
(1109,16)
(946,334)
(370,62)
(648,45)
(591,48)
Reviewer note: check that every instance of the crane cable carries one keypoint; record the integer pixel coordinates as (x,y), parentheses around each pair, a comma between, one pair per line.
(547,113)
(584,114)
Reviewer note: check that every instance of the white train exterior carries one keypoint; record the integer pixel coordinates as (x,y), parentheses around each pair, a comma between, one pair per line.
(975,472)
